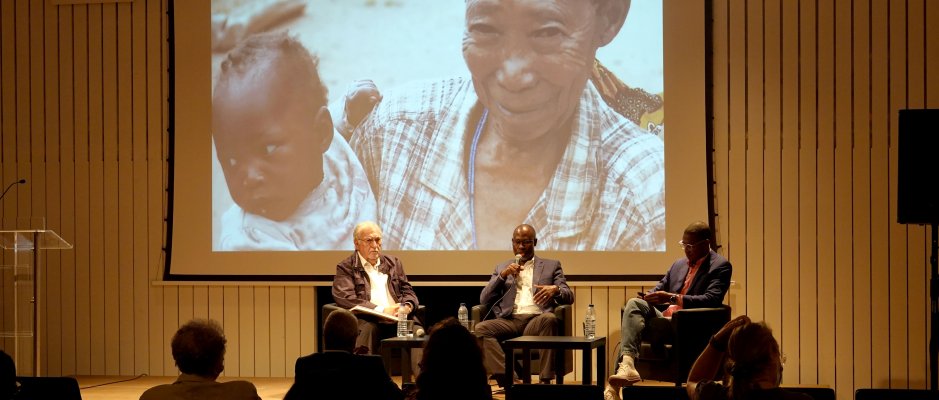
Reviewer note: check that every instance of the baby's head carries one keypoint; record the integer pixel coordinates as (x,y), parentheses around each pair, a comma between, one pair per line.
(270,124)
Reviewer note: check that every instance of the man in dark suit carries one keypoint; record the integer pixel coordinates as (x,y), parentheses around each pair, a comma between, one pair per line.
(336,372)
(376,281)
(699,280)
(522,294)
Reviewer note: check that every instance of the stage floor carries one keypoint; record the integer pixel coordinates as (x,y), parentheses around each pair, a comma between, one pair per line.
(268,388)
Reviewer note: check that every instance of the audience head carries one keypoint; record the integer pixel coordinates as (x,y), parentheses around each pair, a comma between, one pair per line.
(696,240)
(199,348)
(452,359)
(754,359)
(340,330)
(7,376)
(270,124)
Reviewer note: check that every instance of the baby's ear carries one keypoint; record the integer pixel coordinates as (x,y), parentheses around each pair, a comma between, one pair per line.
(323,129)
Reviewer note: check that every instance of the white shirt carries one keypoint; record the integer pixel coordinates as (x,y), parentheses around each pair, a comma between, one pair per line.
(381,295)
(524,297)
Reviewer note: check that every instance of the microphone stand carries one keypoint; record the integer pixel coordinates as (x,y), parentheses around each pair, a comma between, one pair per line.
(10,186)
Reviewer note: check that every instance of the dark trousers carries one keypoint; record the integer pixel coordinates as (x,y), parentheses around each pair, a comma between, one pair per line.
(496,330)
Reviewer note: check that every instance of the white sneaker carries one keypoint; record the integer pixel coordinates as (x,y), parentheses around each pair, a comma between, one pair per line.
(626,374)
(611,393)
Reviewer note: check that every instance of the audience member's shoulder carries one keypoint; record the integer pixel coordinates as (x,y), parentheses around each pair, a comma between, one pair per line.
(155,393)
(241,390)
(370,359)
(791,395)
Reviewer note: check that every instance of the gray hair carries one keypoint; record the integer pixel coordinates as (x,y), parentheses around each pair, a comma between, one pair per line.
(362,226)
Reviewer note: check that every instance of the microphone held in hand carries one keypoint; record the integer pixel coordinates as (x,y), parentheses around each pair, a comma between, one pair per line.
(518,259)
(10,186)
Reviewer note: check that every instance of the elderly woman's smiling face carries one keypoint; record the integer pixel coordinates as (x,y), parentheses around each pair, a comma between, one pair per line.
(530,60)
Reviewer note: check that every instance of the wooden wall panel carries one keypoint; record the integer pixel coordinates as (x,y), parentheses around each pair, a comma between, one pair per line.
(808,190)
(753,109)
(879,188)
(898,233)
(788,330)
(735,219)
(805,96)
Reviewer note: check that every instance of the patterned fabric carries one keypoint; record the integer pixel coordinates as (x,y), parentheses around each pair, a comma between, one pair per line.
(324,221)
(606,194)
(640,107)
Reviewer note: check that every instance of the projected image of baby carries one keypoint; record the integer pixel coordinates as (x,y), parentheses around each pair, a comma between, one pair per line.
(528,138)
(295,182)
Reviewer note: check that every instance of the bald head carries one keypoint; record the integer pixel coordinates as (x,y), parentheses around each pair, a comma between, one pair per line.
(699,230)
(524,229)
(524,241)
(340,330)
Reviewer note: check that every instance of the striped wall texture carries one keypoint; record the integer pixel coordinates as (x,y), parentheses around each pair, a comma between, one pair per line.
(805,94)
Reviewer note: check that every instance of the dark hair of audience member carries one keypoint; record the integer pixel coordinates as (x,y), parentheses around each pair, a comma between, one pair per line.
(7,376)
(340,330)
(753,351)
(452,365)
(199,348)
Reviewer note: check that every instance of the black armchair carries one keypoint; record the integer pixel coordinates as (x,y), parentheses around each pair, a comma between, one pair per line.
(669,347)
(565,323)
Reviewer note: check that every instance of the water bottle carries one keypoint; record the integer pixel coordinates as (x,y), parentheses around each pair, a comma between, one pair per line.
(590,323)
(463,316)
(402,320)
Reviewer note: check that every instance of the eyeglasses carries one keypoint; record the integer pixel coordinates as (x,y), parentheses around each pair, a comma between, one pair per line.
(689,246)
(519,242)
(371,241)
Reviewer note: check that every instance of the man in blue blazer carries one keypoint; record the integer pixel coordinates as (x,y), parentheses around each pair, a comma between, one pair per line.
(699,280)
(337,372)
(522,294)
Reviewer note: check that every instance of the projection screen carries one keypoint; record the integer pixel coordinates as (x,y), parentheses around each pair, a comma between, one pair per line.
(266,190)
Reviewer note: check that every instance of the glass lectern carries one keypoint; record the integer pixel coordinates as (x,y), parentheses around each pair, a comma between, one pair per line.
(22,275)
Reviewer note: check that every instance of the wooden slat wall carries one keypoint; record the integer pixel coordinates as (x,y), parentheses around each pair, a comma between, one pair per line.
(806,94)
(83,120)
(805,99)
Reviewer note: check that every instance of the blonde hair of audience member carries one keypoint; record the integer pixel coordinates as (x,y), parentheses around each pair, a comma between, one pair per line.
(340,330)
(452,365)
(755,361)
(199,348)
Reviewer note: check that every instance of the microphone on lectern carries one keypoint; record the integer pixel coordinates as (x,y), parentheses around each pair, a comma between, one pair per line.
(10,186)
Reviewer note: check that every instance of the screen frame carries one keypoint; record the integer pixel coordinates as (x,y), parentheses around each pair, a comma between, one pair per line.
(686,51)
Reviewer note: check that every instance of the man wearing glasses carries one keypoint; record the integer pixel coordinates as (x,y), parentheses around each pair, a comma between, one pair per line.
(373,280)
(522,294)
(699,280)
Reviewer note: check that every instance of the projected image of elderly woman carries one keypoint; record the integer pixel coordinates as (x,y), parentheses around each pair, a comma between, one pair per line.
(527,138)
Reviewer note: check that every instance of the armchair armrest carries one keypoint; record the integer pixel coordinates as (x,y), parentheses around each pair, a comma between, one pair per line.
(565,314)
(707,319)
